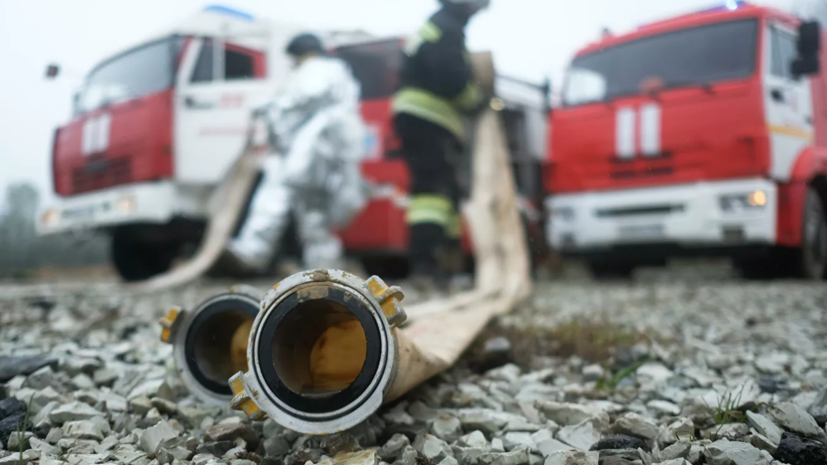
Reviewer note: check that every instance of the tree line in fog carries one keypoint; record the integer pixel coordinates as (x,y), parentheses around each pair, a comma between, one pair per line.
(22,252)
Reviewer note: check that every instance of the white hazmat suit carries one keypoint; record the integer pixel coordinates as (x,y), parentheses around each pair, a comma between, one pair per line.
(315,172)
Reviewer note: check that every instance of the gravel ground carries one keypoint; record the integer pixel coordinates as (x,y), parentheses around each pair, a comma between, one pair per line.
(679,368)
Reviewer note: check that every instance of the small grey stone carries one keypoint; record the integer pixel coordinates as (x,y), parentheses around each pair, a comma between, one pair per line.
(479,419)
(421,412)
(276,446)
(408,457)
(448,461)
(55,435)
(678,450)
(40,379)
(513,441)
(682,429)
(572,457)
(431,447)
(19,440)
(82,381)
(761,442)
(818,409)
(74,366)
(447,427)
(46,395)
(45,412)
(154,435)
(582,435)
(794,418)
(192,416)
(107,444)
(515,457)
(679,461)
(18,458)
(392,449)
(551,446)
(245,462)
(592,373)
(731,431)
(105,376)
(765,427)
(202,459)
(73,411)
(570,414)
(633,424)
(724,452)
(44,448)
(398,415)
(231,432)
(83,429)
(664,407)
(164,406)
(497,445)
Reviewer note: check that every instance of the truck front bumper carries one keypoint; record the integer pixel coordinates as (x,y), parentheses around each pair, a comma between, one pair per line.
(156,202)
(699,215)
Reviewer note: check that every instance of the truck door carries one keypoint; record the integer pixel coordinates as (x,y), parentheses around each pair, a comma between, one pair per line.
(788,102)
(218,86)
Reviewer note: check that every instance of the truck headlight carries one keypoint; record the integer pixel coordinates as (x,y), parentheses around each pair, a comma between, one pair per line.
(126,204)
(210,342)
(50,218)
(743,202)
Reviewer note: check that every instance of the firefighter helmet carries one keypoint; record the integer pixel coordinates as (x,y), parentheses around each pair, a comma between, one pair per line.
(304,44)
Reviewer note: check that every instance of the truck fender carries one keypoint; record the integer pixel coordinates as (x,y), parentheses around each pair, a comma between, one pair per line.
(811,162)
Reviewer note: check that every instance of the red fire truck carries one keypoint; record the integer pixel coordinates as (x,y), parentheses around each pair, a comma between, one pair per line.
(701,134)
(156,128)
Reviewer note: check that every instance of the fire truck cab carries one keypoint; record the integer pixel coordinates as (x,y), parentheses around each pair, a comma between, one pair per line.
(704,134)
(156,128)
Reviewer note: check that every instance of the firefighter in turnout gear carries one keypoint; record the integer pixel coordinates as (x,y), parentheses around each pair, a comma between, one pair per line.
(437,90)
(315,171)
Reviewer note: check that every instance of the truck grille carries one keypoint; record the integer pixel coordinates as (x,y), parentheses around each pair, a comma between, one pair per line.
(101,173)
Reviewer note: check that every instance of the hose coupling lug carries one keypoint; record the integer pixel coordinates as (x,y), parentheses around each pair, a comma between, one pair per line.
(390,298)
(242,398)
(169,323)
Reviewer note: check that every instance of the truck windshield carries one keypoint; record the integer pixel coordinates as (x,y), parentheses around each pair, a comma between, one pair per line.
(688,57)
(136,73)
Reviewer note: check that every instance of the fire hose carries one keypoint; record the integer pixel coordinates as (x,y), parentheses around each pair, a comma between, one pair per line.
(324,348)
(327,349)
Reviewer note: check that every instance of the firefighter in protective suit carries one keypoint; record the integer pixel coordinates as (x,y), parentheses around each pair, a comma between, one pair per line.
(436,90)
(319,143)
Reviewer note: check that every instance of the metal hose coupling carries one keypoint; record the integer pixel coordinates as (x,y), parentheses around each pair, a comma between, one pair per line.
(322,353)
(210,342)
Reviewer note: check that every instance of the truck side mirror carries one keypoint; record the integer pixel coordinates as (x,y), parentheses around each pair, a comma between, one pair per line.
(52,71)
(809,46)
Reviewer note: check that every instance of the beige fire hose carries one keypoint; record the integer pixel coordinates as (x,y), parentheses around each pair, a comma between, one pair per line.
(328,349)
(229,199)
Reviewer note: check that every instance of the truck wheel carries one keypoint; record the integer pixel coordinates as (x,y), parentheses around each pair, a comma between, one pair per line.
(136,260)
(812,256)
(610,270)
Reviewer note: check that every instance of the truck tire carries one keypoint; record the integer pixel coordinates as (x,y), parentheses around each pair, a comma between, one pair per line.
(611,270)
(812,256)
(137,260)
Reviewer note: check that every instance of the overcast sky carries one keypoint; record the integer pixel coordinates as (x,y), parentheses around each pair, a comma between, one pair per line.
(529,38)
